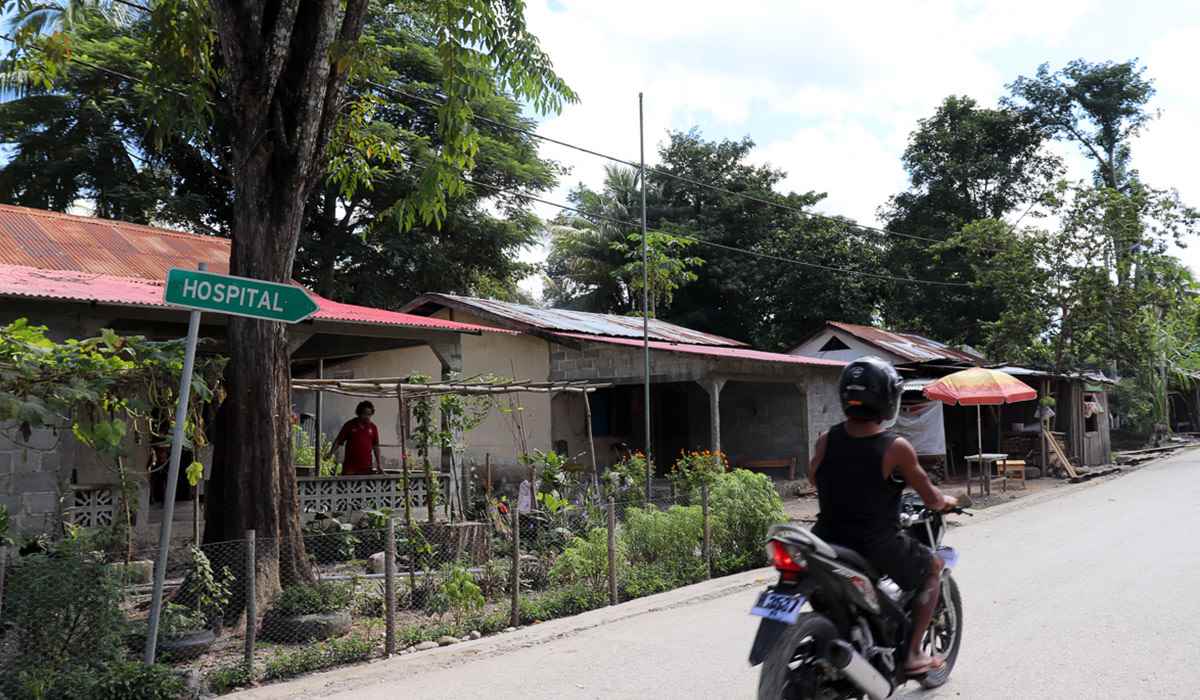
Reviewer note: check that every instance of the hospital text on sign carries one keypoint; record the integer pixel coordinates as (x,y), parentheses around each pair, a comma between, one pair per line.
(241,296)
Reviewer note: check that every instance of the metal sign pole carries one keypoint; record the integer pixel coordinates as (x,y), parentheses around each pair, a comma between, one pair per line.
(164,538)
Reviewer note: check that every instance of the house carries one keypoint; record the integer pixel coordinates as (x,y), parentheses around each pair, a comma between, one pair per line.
(1080,398)
(77,275)
(850,341)
(707,392)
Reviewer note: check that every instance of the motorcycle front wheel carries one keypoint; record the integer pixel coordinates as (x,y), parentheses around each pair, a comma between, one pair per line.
(945,634)
(790,671)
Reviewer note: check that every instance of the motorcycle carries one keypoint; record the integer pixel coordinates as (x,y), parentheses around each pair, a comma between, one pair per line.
(854,641)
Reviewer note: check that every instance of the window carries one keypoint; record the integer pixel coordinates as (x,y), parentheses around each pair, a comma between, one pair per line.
(834,343)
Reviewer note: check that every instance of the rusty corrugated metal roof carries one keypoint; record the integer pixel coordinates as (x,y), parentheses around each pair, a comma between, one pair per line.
(725,352)
(568,321)
(48,255)
(910,346)
(53,241)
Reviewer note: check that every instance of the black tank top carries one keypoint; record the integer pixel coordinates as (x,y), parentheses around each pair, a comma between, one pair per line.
(858,505)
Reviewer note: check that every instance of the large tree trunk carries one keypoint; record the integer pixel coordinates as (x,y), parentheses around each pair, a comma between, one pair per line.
(283,97)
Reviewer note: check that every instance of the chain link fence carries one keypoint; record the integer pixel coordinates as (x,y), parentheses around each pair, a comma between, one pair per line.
(375,585)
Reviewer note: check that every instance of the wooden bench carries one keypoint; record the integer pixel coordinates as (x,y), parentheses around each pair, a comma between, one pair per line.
(788,463)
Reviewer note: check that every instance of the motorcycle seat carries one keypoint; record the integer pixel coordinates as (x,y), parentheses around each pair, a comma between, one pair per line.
(855,560)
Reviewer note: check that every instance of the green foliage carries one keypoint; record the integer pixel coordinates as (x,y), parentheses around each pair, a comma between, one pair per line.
(584,562)
(315,657)
(224,679)
(5,525)
(560,602)
(329,540)
(304,449)
(1099,106)
(62,609)
(626,480)
(115,680)
(692,470)
(207,592)
(966,162)
(743,506)
(313,599)
(462,593)
(664,548)
(179,620)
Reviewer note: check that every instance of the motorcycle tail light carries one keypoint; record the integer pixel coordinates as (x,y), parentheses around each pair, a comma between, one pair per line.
(783,560)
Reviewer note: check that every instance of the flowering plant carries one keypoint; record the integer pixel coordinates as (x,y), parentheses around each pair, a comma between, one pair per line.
(697,468)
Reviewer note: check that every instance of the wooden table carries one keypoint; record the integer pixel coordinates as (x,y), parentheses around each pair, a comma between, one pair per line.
(986,461)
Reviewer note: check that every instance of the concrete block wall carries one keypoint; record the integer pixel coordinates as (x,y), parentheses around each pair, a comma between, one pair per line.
(824,406)
(764,421)
(621,364)
(30,483)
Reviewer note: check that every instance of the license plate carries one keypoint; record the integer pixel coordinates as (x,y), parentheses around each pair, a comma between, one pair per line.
(778,607)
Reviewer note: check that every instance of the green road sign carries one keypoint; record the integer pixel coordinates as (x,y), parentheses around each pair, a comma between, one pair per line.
(240,296)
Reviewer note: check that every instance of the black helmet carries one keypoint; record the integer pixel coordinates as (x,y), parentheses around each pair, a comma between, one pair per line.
(870,389)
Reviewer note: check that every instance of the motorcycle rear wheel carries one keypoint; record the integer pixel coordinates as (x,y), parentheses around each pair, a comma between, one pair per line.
(947,618)
(783,671)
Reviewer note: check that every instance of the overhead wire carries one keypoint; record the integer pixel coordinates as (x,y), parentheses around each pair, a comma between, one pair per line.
(566,207)
(666,173)
(714,244)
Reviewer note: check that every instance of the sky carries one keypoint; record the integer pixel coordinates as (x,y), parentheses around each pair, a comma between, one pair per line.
(829,92)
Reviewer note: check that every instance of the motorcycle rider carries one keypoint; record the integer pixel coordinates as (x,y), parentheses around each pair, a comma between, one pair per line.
(860,469)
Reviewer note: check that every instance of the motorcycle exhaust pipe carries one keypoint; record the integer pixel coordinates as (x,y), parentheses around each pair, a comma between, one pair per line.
(860,672)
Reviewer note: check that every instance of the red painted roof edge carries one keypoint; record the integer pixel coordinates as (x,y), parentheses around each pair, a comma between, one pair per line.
(25,282)
(733,353)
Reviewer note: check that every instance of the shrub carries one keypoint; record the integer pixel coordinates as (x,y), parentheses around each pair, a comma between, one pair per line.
(313,599)
(335,652)
(223,679)
(561,602)
(494,578)
(694,469)
(114,680)
(63,610)
(585,562)
(626,480)
(743,506)
(462,593)
(664,548)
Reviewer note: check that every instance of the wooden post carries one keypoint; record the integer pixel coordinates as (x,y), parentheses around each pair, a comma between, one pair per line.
(251,603)
(317,420)
(487,465)
(515,617)
(1044,422)
(389,588)
(707,530)
(612,551)
(403,421)
(3,572)
(587,410)
(196,512)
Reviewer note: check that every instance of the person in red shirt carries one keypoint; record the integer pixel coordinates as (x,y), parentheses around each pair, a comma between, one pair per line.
(361,438)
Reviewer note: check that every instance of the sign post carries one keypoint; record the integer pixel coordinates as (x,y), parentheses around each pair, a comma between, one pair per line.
(206,291)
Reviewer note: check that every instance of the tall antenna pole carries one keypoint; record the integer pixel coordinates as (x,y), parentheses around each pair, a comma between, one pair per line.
(645,301)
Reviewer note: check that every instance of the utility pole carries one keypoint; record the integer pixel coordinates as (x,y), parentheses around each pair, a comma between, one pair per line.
(645,303)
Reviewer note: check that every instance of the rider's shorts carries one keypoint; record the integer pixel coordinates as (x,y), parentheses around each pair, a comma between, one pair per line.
(901,557)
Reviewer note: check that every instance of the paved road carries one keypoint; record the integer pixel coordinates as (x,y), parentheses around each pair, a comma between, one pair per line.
(1087,595)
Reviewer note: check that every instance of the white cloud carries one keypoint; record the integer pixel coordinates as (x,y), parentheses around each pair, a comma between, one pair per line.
(830,91)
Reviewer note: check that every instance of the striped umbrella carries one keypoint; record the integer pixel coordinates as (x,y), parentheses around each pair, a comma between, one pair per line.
(977,387)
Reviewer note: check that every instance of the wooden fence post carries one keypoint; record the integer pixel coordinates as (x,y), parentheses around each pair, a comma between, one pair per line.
(251,603)
(707,531)
(612,551)
(389,588)
(515,618)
